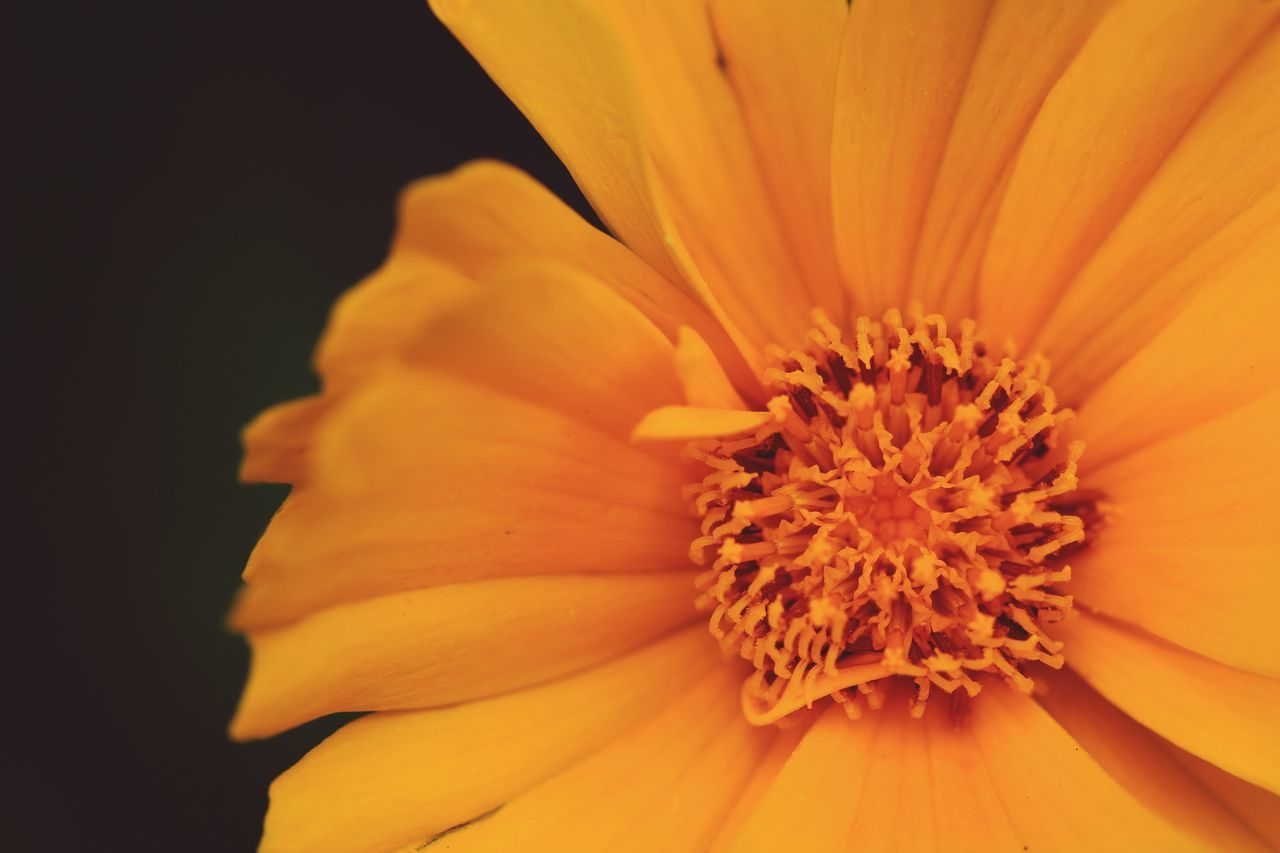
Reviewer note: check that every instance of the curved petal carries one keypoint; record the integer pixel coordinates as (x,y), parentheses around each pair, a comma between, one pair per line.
(1105,129)
(393,778)
(688,422)
(545,333)
(781,60)
(632,98)
(665,785)
(1221,714)
(702,376)
(449,644)
(761,780)
(390,437)
(276,442)
(421,479)
(1214,198)
(1189,547)
(1211,358)
(902,74)
(1025,48)
(1256,808)
(566,72)
(486,213)
(823,776)
(372,321)
(1142,763)
(1005,777)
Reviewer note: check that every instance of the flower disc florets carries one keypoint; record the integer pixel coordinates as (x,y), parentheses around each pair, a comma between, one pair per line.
(904,515)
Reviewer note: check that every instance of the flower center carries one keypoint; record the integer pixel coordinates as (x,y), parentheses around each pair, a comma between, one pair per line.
(904,516)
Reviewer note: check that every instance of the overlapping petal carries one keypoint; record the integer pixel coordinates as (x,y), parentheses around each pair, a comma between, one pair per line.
(1005,777)
(901,80)
(381,781)
(1220,714)
(448,644)
(633,99)
(422,479)
(471,517)
(1213,203)
(1189,545)
(1144,764)
(664,785)
(1125,103)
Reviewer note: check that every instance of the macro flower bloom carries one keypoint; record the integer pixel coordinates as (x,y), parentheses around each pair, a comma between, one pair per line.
(897,477)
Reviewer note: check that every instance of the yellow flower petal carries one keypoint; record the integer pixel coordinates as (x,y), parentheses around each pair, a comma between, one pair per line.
(567,73)
(276,442)
(546,333)
(376,318)
(1108,125)
(1006,778)
(1190,550)
(781,59)
(1142,763)
(665,785)
(632,98)
(901,78)
(1210,359)
(421,479)
(392,778)
(449,644)
(486,213)
(1200,211)
(762,779)
(1024,50)
(1256,808)
(701,374)
(824,778)
(687,422)
(1221,714)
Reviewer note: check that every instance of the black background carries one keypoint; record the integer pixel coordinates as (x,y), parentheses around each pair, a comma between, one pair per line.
(191,186)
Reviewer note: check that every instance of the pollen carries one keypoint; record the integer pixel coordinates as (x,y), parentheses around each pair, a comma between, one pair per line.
(903,518)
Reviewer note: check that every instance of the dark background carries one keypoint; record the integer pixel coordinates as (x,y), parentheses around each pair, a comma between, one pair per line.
(192,186)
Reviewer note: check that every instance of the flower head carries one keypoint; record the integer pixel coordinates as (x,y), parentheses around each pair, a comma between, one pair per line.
(932,369)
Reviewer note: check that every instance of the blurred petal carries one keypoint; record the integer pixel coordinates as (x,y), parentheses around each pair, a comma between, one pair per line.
(373,321)
(450,644)
(485,214)
(1221,714)
(548,334)
(520,490)
(393,778)
(276,442)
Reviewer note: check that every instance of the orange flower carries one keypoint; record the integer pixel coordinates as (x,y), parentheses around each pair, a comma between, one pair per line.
(941,335)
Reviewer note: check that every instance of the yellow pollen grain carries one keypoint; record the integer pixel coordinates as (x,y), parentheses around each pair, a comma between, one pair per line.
(905,515)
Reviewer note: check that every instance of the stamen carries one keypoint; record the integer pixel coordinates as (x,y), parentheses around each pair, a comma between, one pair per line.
(904,515)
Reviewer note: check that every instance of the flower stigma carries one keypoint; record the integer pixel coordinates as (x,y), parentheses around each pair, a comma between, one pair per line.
(903,516)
